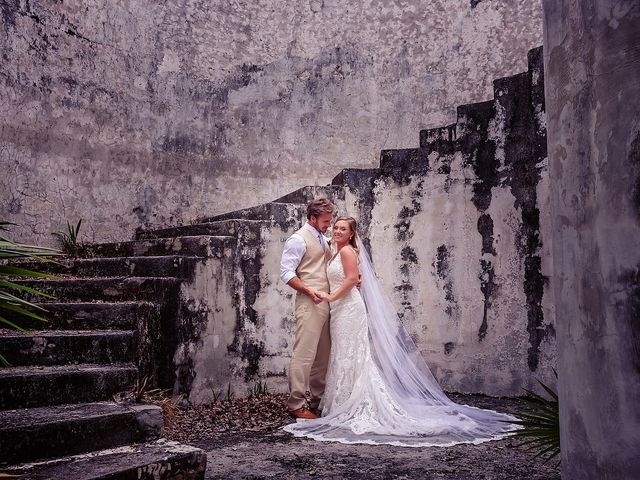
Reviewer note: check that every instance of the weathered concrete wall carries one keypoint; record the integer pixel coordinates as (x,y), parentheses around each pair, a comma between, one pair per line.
(592,59)
(459,231)
(146,113)
(197,336)
(238,324)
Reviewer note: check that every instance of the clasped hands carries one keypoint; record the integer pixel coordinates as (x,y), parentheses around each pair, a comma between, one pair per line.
(319,297)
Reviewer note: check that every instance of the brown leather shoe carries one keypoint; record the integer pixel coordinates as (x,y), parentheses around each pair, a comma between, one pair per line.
(316,410)
(304,413)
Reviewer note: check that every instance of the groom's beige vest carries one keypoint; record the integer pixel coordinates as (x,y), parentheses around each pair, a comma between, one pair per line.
(312,344)
(312,267)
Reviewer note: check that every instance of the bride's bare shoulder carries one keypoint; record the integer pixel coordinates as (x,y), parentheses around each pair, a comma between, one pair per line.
(348,252)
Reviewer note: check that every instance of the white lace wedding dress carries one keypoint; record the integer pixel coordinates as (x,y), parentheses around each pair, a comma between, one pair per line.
(394,401)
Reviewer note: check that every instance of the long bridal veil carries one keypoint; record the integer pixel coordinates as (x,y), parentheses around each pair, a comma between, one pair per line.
(408,378)
(394,399)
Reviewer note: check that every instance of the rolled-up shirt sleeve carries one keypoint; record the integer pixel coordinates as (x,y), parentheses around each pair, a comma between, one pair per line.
(294,249)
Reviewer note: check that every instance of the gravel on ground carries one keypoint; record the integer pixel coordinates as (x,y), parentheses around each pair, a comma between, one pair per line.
(244,439)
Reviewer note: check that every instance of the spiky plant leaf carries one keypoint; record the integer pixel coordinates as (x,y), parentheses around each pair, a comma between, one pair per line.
(23,311)
(6,296)
(540,423)
(11,271)
(4,223)
(24,288)
(10,250)
(547,389)
(11,324)
(70,239)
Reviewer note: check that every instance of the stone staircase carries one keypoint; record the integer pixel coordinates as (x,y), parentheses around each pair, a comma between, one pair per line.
(495,149)
(108,327)
(57,415)
(194,307)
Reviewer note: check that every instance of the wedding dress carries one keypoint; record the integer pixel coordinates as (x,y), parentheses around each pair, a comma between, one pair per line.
(379,389)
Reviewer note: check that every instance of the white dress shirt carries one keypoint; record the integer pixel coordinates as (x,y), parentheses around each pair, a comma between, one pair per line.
(294,249)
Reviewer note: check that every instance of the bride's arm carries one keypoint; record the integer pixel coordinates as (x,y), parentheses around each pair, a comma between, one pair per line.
(349,260)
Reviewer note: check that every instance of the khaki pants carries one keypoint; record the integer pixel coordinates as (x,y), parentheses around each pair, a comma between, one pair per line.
(311,349)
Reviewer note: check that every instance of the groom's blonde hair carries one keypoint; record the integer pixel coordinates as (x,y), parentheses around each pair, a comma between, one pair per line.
(318,206)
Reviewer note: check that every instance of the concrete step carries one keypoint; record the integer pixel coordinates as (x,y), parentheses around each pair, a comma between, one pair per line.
(89,316)
(286,214)
(179,266)
(287,210)
(304,195)
(535,61)
(159,460)
(25,387)
(437,138)
(405,159)
(49,432)
(198,246)
(102,289)
(358,179)
(237,226)
(515,86)
(473,124)
(221,228)
(68,347)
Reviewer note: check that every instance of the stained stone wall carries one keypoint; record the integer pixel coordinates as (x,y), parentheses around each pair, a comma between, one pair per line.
(459,230)
(592,58)
(145,113)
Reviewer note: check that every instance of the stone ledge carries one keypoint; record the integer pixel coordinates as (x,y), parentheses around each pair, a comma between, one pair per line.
(89,315)
(201,246)
(226,228)
(68,347)
(288,214)
(22,387)
(46,432)
(159,460)
(110,288)
(304,195)
(143,266)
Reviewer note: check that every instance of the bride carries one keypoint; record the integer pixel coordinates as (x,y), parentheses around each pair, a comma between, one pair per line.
(378,388)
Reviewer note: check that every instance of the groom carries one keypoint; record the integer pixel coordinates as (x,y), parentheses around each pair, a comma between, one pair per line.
(303,268)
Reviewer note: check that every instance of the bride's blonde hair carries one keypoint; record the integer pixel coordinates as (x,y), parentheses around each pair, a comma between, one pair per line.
(353,241)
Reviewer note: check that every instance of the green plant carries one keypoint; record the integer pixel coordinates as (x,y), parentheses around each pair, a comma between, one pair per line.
(540,423)
(71,243)
(10,303)
(258,390)
(229,393)
(141,393)
(215,394)
(140,389)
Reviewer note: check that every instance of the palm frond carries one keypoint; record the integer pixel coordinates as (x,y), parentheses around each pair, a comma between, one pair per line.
(10,250)
(11,324)
(553,449)
(23,311)
(4,223)
(8,297)
(11,271)
(539,424)
(551,393)
(24,288)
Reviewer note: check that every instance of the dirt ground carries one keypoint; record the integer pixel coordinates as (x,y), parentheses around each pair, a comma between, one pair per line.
(243,440)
